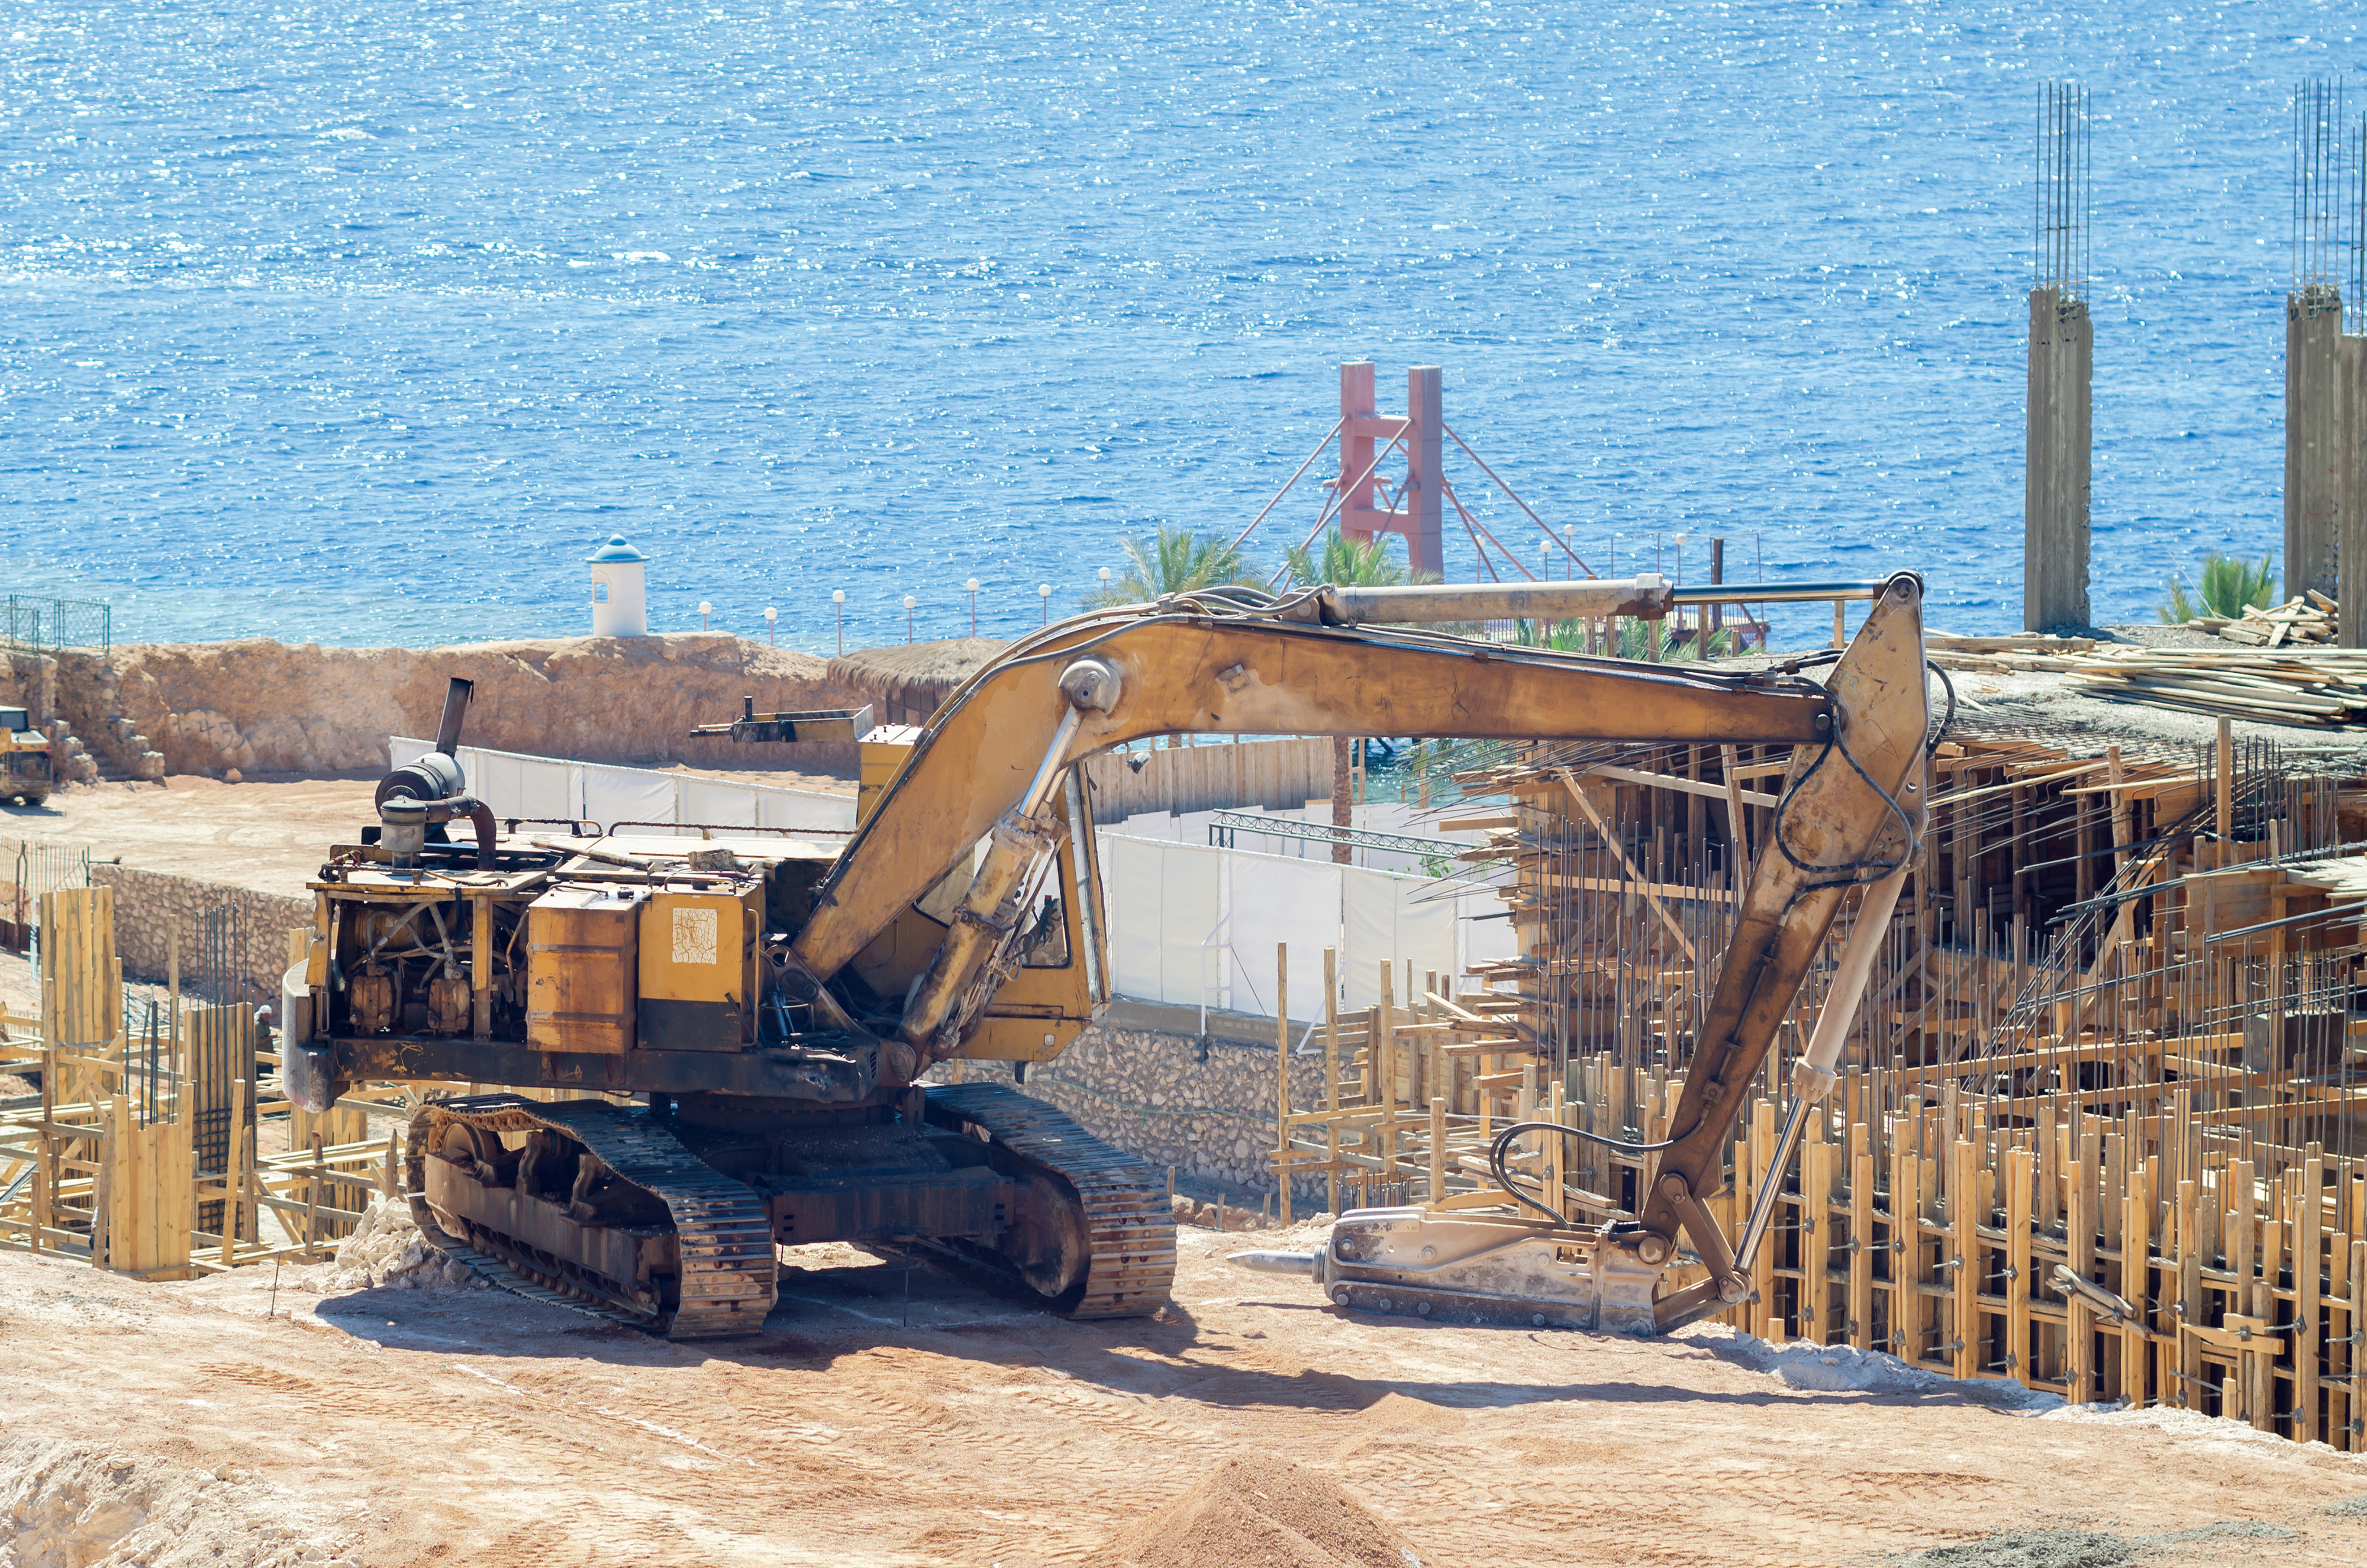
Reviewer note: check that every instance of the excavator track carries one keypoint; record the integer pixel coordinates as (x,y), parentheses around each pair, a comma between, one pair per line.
(1129,1225)
(723,1238)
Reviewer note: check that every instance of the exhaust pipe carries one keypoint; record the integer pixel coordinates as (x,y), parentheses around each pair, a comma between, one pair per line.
(455,709)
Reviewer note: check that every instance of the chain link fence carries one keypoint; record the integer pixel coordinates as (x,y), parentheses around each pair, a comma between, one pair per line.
(46,626)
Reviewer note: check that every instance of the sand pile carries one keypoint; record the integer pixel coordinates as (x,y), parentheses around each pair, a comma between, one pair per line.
(67,1505)
(1258,1511)
(387,1250)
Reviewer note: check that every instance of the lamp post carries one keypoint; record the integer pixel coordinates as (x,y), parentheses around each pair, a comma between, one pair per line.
(1044,596)
(1105,577)
(972,586)
(1570,546)
(838,597)
(704,609)
(772,617)
(909,603)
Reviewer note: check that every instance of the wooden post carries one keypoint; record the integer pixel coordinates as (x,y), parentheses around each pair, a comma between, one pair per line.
(1815,1232)
(1964,1242)
(1907,1271)
(1281,1079)
(2226,787)
(2019,1175)
(2137,1267)
(1840,633)
(312,1200)
(1331,1074)
(1762,1267)
(1737,832)
(1437,1150)
(235,1174)
(2080,1248)
(2308,1248)
(1861,1223)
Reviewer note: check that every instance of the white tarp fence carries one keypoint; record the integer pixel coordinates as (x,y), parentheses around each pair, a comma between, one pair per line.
(518,785)
(1192,926)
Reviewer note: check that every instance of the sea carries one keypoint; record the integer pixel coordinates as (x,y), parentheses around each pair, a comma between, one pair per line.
(368,324)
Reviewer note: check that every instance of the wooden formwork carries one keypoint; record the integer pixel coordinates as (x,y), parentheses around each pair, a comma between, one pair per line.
(142,1154)
(2110,1036)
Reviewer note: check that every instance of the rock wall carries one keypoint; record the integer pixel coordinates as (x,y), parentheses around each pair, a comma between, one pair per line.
(1208,1112)
(264,707)
(150,905)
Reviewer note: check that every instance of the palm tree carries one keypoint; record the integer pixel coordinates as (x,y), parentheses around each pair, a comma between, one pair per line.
(1174,560)
(1350,563)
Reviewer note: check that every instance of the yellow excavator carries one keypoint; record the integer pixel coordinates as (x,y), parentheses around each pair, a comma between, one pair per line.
(756,1013)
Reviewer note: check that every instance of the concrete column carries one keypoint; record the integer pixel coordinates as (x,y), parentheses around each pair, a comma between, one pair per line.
(2055,484)
(1425,546)
(2313,329)
(2350,486)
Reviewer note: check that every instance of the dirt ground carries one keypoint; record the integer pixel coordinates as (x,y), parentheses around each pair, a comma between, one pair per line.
(173,1424)
(267,834)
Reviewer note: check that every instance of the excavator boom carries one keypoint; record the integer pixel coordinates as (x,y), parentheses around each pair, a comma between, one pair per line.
(1848,818)
(758,1011)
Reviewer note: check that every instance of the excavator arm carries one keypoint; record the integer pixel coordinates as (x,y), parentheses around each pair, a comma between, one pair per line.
(987,766)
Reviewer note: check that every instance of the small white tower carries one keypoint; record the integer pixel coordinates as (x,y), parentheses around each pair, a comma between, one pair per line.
(621,605)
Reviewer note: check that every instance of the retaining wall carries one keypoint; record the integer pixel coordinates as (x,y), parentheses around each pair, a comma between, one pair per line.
(150,905)
(1207,1110)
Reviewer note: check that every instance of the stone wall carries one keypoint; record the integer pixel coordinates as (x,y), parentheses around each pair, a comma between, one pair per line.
(1207,1110)
(150,905)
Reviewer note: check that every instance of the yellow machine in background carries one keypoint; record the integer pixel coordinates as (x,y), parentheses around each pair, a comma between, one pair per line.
(28,774)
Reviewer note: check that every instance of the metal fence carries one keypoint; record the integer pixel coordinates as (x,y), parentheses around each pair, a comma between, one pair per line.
(46,626)
(28,870)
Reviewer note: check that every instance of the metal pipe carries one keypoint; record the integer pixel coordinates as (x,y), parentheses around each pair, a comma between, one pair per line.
(984,917)
(1784,593)
(1644,595)
(1088,910)
(1049,768)
(455,710)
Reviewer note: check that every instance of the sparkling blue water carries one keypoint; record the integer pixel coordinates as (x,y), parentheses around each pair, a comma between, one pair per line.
(366,323)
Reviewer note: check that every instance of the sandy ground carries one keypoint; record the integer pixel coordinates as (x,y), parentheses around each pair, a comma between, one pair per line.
(390,1426)
(268,834)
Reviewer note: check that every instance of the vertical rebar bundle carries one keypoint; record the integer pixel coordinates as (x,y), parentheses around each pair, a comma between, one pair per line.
(2062,191)
(2321,232)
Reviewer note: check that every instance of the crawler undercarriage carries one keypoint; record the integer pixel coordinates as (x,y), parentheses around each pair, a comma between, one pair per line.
(667,1219)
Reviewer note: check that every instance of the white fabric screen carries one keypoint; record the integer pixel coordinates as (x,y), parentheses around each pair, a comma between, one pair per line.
(516,784)
(1281,898)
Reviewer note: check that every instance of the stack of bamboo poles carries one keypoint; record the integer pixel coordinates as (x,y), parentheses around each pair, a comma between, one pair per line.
(2321,688)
